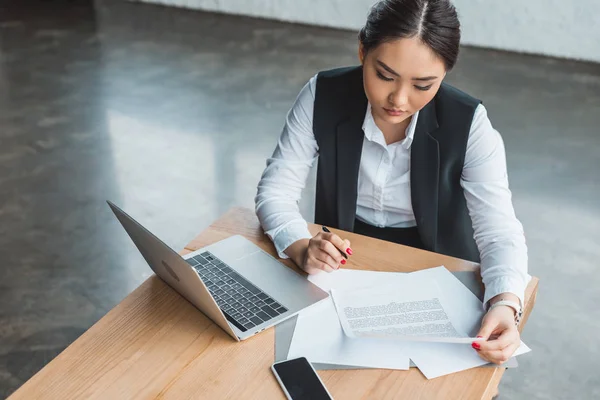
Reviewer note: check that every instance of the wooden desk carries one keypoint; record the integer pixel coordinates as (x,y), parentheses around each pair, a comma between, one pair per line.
(155,344)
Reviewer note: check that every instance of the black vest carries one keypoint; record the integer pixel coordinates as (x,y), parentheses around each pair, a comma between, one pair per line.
(437,159)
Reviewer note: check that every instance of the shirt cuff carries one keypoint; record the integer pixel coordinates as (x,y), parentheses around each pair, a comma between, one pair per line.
(505,284)
(289,234)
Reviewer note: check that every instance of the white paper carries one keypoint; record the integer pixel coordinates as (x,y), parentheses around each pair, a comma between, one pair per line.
(349,279)
(438,359)
(463,307)
(466,312)
(320,337)
(407,313)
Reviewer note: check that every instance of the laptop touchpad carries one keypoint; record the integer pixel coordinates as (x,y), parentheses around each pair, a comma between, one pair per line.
(233,249)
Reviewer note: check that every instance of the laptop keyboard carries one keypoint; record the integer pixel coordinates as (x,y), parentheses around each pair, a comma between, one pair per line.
(242,303)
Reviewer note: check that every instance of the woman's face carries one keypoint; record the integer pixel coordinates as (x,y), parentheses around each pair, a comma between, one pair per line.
(400,78)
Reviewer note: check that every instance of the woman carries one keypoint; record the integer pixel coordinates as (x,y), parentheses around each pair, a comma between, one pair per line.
(403,157)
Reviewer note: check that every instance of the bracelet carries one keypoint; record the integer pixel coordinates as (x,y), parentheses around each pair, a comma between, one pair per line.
(515,306)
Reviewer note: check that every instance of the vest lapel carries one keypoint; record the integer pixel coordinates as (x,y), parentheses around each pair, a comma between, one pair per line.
(349,143)
(424,176)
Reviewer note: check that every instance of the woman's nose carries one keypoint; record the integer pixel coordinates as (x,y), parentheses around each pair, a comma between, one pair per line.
(398,98)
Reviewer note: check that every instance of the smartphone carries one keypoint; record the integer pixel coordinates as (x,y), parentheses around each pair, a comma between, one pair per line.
(299,380)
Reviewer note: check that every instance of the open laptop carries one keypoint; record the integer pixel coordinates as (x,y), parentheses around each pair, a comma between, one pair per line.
(233,282)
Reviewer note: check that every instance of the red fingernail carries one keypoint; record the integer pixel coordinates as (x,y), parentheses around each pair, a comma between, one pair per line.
(349,250)
(476,346)
(479,336)
(343,262)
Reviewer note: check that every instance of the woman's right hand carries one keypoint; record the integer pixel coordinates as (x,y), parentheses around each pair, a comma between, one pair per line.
(322,253)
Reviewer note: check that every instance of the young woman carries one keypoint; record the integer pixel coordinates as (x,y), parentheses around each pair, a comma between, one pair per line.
(402,156)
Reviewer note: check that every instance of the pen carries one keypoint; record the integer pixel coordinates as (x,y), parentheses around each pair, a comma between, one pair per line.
(341,252)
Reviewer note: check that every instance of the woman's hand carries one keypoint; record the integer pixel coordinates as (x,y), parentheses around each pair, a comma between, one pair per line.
(500,333)
(320,253)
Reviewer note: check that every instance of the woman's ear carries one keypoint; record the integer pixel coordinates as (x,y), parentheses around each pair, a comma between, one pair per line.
(361,53)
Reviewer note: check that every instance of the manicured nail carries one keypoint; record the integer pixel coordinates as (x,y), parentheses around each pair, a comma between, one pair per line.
(479,336)
(343,262)
(349,251)
(476,346)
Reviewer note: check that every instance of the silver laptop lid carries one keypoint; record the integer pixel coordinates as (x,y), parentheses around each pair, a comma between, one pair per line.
(172,269)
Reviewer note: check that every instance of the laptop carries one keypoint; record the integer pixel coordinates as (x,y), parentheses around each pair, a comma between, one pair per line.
(233,282)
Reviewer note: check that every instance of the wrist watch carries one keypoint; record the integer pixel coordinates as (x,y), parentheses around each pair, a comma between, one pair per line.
(512,304)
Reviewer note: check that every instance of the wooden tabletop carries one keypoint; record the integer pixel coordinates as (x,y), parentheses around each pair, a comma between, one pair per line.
(155,344)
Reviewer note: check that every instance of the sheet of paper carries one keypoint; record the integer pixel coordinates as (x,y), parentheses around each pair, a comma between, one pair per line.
(406,313)
(319,337)
(350,279)
(465,311)
(438,359)
(285,330)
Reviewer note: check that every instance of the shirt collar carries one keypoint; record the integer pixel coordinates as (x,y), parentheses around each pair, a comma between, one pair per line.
(374,134)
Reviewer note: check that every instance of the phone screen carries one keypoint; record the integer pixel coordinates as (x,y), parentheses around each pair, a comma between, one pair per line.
(300,380)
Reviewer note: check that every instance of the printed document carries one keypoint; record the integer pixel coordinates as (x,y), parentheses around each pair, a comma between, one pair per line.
(414,313)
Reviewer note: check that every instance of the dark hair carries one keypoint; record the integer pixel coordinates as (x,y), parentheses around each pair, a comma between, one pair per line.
(435,22)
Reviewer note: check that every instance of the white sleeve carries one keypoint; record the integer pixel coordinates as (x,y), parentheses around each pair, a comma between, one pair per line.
(281,184)
(497,231)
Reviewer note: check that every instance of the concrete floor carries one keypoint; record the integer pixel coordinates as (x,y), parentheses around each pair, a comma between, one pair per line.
(171,114)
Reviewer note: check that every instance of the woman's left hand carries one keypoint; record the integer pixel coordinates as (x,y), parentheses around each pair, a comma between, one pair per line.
(500,333)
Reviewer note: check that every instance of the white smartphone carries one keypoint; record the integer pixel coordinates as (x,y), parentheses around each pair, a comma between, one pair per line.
(299,380)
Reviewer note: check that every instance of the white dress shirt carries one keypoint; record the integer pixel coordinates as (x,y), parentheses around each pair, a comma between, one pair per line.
(384,195)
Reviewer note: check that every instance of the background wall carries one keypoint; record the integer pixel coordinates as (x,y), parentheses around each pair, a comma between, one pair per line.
(550,27)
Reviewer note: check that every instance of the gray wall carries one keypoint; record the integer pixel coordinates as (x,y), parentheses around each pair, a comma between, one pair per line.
(551,27)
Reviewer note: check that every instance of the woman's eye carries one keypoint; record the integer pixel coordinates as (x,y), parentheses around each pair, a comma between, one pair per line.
(383,77)
(423,88)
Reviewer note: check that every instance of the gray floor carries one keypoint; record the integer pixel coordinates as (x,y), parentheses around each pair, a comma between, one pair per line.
(171,114)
